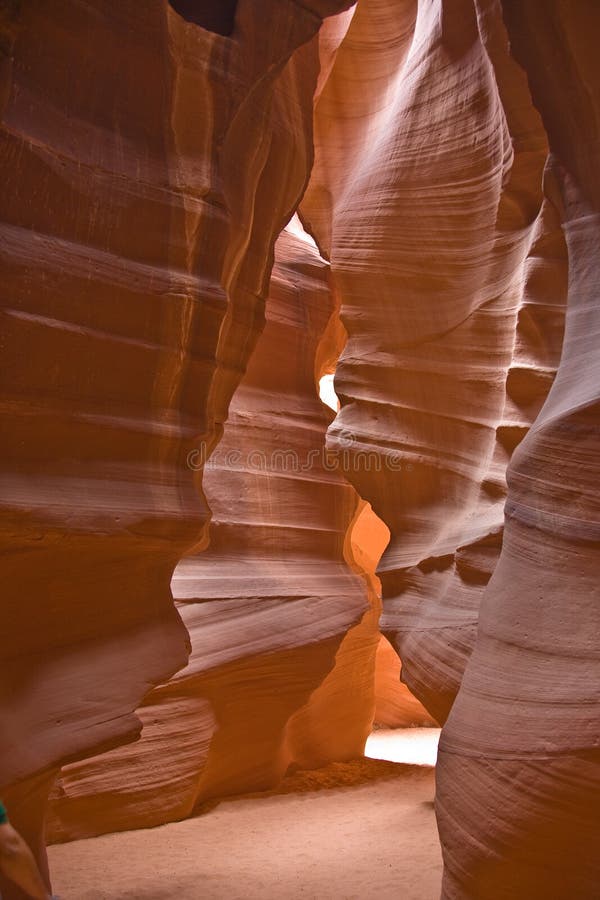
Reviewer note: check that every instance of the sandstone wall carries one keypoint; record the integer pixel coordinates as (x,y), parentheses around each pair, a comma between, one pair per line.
(453,217)
(426,195)
(148,166)
(523,735)
(283,635)
(150,163)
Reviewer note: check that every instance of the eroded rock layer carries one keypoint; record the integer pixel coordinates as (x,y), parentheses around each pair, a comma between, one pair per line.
(449,227)
(455,193)
(523,736)
(148,166)
(427,196)
(283,637)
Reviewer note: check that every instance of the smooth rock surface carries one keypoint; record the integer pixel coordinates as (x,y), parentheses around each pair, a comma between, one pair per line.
(519,767)
(426,195)
(283,635)
(148,166)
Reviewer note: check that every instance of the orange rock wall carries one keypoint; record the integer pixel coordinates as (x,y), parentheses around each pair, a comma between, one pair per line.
(148,166)
(283,636)
(426,193)
(454,192)
(395,706)
(523,738)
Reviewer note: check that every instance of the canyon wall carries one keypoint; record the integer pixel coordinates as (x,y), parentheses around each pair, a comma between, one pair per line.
(283,635)
(150,163)
(148,166)
(455,218)
(523,737)
(427,196)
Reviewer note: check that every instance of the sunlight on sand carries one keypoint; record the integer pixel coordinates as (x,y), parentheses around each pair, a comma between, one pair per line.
(404,745)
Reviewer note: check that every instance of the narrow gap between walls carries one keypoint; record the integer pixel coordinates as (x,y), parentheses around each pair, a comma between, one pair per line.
(403,731)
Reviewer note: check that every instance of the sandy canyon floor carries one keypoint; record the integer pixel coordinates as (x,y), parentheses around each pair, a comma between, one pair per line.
(352,831)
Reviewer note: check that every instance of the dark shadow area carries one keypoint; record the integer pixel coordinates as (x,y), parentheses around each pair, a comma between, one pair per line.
(217,16)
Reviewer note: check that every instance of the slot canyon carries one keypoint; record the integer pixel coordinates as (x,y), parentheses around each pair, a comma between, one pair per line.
(300,448)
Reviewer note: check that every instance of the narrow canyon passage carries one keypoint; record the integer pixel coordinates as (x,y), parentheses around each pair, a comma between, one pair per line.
(353,831)
(300,411)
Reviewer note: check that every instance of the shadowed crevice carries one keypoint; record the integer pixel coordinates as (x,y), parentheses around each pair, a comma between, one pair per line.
(217,16)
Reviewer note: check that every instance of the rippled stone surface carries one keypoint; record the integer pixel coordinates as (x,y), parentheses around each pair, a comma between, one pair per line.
(283,635)
(454,192)
(148,166)
(523,739)
(460,223)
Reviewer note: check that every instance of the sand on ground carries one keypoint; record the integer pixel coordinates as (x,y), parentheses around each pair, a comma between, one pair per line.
(352,831)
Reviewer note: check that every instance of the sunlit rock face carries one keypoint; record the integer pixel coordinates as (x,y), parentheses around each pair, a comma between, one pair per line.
(523,738)
(395,706)
(283,636)
(427,195)
(455,191)
(148,165)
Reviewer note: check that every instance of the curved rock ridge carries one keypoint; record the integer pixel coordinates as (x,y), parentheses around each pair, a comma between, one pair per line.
(283,636)
(395,706)
(523,735)
(426,195)
(148,166)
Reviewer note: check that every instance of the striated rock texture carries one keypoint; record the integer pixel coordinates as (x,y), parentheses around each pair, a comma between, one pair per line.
(451,232)
(148,166)
(283,638)
(426,194)
(523,736)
